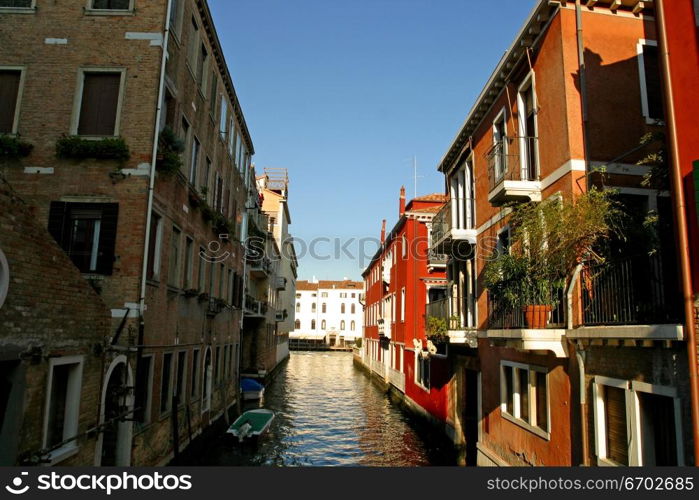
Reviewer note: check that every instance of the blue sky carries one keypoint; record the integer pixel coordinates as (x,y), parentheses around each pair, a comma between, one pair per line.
(345,93)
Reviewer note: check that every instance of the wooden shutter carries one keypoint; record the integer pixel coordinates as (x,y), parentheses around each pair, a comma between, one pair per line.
(57,222)
(9,88)
(100,99)
(108,233)
(615,415)
(654,89)
(696,187)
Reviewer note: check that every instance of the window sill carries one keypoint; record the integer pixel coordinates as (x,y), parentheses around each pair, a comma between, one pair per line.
(426,389)
(61,454)
(153,282)
(93,137)
(605,462)
(17,10)
(526,426)
(110,12)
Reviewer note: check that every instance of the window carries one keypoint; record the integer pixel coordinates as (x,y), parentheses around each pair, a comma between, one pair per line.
(404,246)
(313,307)
(188,263)
(354,295)
(499,151)
(402,304)
(194,389)
(342,325)
(194,162)
(527,105)
(173,275)
(324,295)
(208,379)
(111,4)
(354,308)
(525,397)
(221,281)
(175,12)
(201,284)
(143,389)
(193,45)
(213,95)
(323,325)
(212,279)
(224,118)
(154,247)
(10,96)
(99,103)
(201,66)
(17,4)
(651,83)
(637,423)
(353,326)
(165,382)
(503,243)
(231,287)
(87,233)
(219,364)
(313,324)
(324,308)
(297,324)
(180,383)
(298,307)
(63,403)
(343,295)
(422,370)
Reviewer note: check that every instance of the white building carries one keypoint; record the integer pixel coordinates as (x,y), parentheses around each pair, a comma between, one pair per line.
(328,313)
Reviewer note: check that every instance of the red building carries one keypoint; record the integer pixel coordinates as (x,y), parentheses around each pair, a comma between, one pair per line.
(678,23)
(400,280)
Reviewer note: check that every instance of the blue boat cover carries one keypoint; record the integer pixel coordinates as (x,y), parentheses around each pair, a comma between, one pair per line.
(250,385)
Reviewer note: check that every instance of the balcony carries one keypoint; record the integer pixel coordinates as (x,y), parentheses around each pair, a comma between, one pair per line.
(637,297)
(255,308)
(454,223)
(281,316)
(513,170)
(508,326)
(260,268)
(457,331)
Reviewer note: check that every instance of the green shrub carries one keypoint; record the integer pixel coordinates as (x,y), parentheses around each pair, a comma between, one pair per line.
(102,149)
(170,149)
(14,148)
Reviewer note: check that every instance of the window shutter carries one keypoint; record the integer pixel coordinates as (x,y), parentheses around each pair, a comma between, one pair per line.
(98,109)
(653,82)
(108,232)
(9,87)
(696,186)
(617,443)
(57,222)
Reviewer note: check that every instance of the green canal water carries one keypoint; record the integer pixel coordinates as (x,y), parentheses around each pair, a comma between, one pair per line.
(328,413)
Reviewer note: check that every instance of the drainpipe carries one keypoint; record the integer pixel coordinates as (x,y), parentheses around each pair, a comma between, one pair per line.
(243,240)
(681,227)
(583,80)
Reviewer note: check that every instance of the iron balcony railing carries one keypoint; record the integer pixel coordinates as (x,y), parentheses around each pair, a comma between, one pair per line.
(639,290)
(441,309)
(512,159)
(457,213)
(504,315)
(255,307)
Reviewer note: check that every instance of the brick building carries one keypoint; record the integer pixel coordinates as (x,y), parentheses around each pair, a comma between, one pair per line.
(140,169)
(400,280)
(55,329)
(604,382)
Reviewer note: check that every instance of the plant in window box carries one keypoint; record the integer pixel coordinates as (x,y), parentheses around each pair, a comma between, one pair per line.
(204,192)
(170,149)
(78,148)
(207,213)
(195,201)
(13,148)
(549,240)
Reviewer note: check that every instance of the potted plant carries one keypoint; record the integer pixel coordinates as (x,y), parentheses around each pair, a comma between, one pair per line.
(170,149)
(13,148)
(549,239)
(437,333)
(79,148)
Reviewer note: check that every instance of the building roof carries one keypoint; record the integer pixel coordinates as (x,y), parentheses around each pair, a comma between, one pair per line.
(330,285)
(434,197)
(430,210)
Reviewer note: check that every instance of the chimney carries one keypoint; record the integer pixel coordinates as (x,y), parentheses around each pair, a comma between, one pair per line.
(401,205)
(383,232)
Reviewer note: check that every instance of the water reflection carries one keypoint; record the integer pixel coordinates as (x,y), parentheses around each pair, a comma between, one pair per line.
(329,414)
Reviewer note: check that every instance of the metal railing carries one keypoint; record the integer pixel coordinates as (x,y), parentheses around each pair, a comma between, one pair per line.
(457,213)
(639,290)
(255,307)
(503,315)
(443,310)
(512,159)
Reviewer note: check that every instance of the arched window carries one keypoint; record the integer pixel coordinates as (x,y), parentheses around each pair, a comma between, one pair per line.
(313,307)
(325,308)
(297,324)
(313,324)
(342,309)
(352,326)
(354,308)
(298,307)
(322,325)
(342,324)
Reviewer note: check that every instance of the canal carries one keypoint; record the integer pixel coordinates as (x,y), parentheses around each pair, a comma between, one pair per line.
(328,413)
